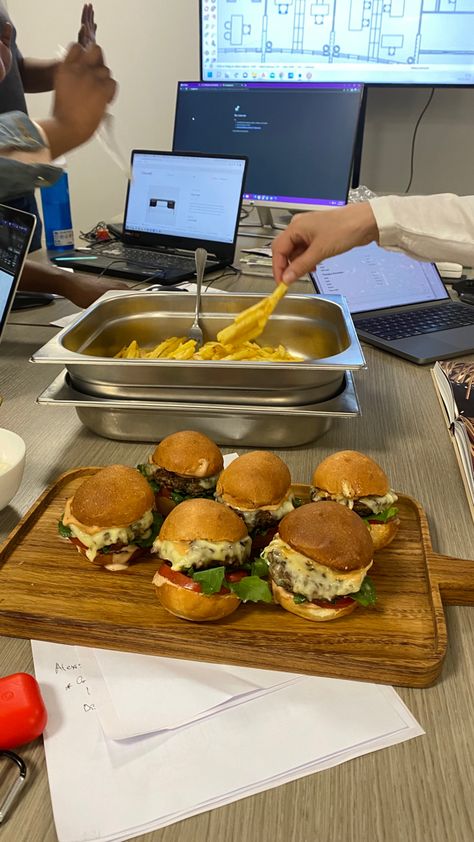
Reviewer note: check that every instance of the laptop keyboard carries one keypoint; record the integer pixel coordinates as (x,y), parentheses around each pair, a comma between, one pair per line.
(152,259)
(416,322)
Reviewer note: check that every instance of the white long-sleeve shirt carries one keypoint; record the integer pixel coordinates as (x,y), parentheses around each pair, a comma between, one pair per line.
(439,227)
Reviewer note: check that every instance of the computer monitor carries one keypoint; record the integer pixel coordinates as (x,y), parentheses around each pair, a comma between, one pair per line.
(299,139)
(382,42)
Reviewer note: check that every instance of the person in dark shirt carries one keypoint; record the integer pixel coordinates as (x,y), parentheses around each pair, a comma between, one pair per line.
(33,76)
(29,75)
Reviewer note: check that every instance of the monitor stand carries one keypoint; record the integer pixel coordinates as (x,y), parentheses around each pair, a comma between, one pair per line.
(266,219)
(26,300)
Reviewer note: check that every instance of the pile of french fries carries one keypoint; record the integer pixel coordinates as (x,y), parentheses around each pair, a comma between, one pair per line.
(180,348)
(233,342)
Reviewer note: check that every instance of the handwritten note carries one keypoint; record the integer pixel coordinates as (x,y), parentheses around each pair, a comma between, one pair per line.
(107,790)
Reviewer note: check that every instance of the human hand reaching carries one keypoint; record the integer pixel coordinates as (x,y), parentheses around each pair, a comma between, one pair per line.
(315,236)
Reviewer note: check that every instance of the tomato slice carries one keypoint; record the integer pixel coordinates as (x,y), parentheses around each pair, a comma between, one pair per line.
(236,575)
(78,543)
(178,578)
(341,602)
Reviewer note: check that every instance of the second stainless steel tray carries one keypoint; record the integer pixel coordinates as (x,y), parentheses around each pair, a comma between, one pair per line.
(318,328)
(251,426)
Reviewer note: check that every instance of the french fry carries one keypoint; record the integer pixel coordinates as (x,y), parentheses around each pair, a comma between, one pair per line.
(250,322)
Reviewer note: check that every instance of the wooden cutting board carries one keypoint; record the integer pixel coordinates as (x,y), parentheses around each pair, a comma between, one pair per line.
(49,592)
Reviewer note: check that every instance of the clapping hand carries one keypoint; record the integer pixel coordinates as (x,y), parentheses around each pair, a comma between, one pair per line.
(88,28)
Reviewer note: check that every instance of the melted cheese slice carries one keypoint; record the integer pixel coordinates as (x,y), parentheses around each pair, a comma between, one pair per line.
(200,553)
(277,512)
(375,504)
(96,537)
(313,580)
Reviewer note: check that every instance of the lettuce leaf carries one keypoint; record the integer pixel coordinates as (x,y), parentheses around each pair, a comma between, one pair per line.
(366,596)
(384,516)
(251,589)
(259,568)
(210,580)
(64,531)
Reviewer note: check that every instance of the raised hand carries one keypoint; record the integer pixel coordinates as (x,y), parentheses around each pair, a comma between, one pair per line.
(88,29)
(83,88)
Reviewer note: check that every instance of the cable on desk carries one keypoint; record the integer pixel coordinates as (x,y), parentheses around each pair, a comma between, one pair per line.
(412,154)
(234,271)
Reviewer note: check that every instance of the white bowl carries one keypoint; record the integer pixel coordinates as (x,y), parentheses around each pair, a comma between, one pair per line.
(12,455)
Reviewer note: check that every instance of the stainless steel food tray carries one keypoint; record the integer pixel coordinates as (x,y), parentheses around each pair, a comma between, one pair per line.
(319,328)
(251,426)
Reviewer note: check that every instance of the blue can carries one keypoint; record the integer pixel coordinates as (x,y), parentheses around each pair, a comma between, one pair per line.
(57,218)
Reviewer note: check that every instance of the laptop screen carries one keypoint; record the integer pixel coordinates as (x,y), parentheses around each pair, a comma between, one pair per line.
(16,230)
(372,278)
(191,197)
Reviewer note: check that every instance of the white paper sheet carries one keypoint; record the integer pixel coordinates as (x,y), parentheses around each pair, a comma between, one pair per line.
(166,693)
(106,790)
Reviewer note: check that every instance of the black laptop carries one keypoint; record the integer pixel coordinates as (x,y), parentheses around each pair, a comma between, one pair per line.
(16,231)
(176,202)
(399,304)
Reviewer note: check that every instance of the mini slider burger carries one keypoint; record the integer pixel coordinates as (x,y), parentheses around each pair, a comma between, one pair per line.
(257,486)
(318,562)
(110,518)
(357,482)
(183,465)
(204,573)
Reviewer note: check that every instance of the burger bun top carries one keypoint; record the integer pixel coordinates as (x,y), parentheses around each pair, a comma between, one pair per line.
(349,473)
(329,534)
(254,480)
(200,519)
(115,496)
(188,453)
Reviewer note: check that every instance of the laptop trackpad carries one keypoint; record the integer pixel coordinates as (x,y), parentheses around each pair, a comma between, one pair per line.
(429,347)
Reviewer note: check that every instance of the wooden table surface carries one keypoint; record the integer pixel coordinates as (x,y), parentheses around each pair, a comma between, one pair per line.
(420,791)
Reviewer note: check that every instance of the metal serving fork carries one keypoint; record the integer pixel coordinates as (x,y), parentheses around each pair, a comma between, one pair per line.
(195,331)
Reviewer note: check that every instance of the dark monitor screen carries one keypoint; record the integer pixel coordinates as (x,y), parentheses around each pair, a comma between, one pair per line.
(381,42)
(299,139)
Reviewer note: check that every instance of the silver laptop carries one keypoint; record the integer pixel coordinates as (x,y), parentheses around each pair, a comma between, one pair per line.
(399,304)
(176,202)
(16,231)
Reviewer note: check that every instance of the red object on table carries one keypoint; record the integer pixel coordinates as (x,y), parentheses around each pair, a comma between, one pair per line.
(23,714)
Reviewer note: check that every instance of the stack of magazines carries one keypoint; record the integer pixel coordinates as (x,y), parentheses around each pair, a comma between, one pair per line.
(454,382)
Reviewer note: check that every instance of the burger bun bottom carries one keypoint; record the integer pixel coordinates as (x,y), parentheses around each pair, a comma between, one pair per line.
(308,610)
(383,534)
(192,605)
(114,561)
